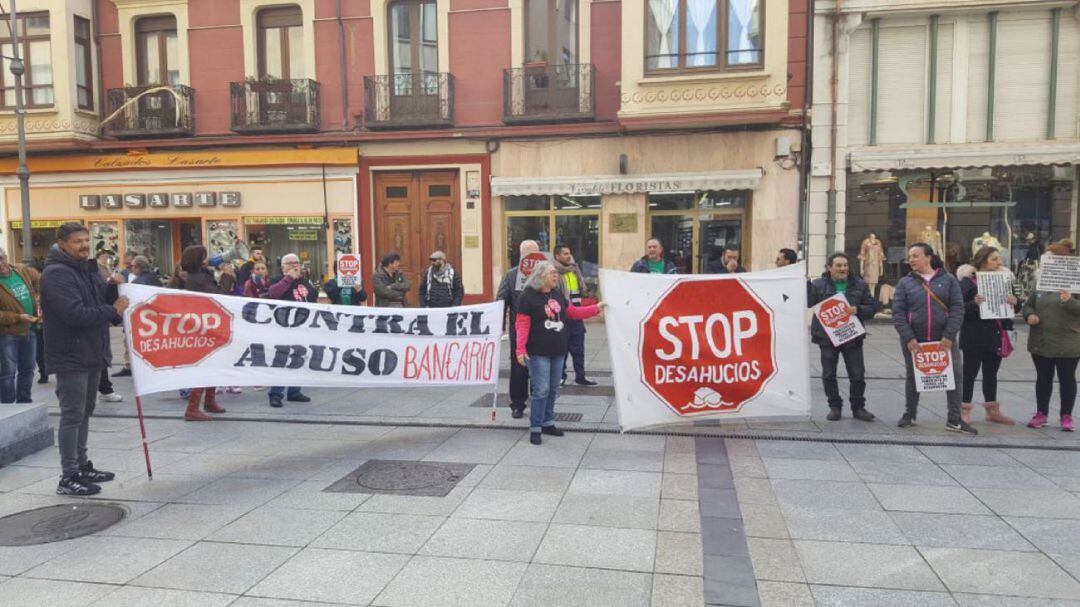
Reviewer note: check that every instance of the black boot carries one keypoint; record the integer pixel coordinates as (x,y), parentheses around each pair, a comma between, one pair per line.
(534,438)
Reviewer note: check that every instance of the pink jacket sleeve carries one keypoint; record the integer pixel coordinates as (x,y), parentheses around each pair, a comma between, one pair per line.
(522,324)
(280,287)
(582,312)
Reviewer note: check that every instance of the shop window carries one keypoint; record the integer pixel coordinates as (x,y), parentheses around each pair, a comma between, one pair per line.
(343,239)
(84,71)
(161,241)
(303,236)
(156,52)
(703,35)
(281,43)
(573,221)
(42,237)
(695,226)
(104,237)
(551,31)
(36,52)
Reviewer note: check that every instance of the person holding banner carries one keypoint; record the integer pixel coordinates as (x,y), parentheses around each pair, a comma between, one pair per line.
(542,312)
(292,286)
(928,308)
(508,294)
(984,341)
(838,280)
(654,261)
(198,277)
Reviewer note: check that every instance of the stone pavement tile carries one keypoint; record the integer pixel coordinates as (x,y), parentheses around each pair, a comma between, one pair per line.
(741,447)
(331,576)
(309,495)
(764,520)
(527,478)
(165,487)
(775,560)
(486,539)
(995,477)
(26,592)
(809,469)
(915,498)
(959,531)
(902,473)
(838,596)
(868,527)
(277,467)
(440,582)
(564,452)
(679,486)
(277,527)
(613,482)
(1037,458)
(136,596)
(127,558)
(212,567)
(678,553)
(475,446)
(988,600)
(180,522)
(797,450)
(1057,536)
(15,560)
(724,537)
(551,585)
(15,477)
(1040,503)
(754,491)
(981,456)
(680,463)
(720,503)
(998,572)
(866,565)
(1069,562)
(410,504)
(1068,480)
(679,515)
(825,495)
(609,511)
(250,601)
(376,532)
(620,459)
(603,547)
(784,594)
(855,452)
(497,504)
(643,443)
(675,591)
(715,476)
(212,465)
(747,467)
(730,581)
(238,491)
(10,503)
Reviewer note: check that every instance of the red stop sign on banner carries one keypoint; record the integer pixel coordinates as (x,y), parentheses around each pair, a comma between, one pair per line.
(707,346)
(173,330)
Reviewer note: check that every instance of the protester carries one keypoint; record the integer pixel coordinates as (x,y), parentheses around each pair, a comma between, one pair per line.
(199,278)
(838,278)
(508,294)
(654,262)
(228,280)
(77,323)
(357,296)
(259,283)
(725,262)
(541,343)
(572,282)
(440,286)
(1054,344)
(18,319)
(389,283)
(246,269)
(39,332)
(928,306)
(142,273)
(291,286)
(113,280)
(982,340)
(787,257)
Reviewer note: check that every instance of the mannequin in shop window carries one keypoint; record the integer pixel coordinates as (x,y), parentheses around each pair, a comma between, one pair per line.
(932,237)
(872,260)
(986,240)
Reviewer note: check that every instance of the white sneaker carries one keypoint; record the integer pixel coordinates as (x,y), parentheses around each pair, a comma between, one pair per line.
(110,398)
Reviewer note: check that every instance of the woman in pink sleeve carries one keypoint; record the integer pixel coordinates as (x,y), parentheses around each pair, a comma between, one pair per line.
(540,326)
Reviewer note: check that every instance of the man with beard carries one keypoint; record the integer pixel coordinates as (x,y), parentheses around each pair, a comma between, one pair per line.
(291,286)
(573,286)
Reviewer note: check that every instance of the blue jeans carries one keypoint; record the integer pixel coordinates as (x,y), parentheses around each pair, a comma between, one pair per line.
(16,367)
(545,373)
(279,391)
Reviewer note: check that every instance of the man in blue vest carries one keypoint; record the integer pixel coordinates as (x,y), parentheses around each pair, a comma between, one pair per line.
(573,285)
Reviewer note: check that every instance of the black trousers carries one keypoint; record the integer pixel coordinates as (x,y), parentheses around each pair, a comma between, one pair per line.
(1044,382)
(519,376)
(39,354)
(575,347)
(856,370)
(104,383)
(990,362)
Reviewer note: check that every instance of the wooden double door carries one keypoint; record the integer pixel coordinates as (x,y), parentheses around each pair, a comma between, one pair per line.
(416,214)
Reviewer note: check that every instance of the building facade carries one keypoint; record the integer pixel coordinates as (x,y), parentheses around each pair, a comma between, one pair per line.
(952,123)
(317,126)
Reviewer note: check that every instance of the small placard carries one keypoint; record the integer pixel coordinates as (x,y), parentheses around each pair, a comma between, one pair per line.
(472,242)
(624,223)
(1059,273)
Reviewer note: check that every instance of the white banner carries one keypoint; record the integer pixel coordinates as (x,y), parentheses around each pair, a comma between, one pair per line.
(994,287)
(691,347)
(840,326)
(933,368)
(182,339)
(1057,272)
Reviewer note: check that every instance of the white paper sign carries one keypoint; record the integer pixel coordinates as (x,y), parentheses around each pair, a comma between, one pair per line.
(840,326)
(348,270)
(994,287)
(933,368)
(180,339)
(690,347)
(1057,272)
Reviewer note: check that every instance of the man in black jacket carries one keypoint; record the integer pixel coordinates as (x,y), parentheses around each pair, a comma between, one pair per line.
(837,278)
(291,286)
(724,260)
(440,286)
(508,293)
(77,320)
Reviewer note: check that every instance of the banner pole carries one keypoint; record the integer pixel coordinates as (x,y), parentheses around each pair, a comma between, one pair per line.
(142,431)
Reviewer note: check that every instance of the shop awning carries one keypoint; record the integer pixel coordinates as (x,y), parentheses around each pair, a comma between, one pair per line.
(593,185)
(964,156)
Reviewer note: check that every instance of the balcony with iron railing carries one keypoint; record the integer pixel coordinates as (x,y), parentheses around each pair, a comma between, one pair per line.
(155,110)
(275,106)
(549,93)
(424,100)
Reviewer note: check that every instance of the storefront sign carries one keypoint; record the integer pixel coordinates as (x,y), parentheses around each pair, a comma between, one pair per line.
(112,201)
(839,325)
(1059,272)
(135,201)
(627,186)
(592,185)
(89,202)
(623,223)
(157,201)
(206,199)
(472,241)
(297,220)
(185,160)
(933,368)
(180,200)
(303,235)
(36,224)
(994,287)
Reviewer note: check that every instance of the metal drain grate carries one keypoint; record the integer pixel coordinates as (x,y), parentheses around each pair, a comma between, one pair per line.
(58,523)
(568,417)
(402,477)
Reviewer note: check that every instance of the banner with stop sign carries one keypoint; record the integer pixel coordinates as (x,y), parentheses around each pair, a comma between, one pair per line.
(839,325)
(685,348)
(933,368)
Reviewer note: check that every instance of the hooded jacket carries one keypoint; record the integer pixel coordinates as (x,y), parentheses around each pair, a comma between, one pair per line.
(858,295)
(1058,333)
(75,314)
(918,315)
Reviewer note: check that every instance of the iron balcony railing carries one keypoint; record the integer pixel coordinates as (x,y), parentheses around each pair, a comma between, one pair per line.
(549,93)
(422,100)
(275,106)
(155,110)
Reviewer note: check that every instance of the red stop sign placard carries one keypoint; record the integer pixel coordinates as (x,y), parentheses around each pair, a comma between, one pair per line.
(931,358)
(173,330)
(529,262)
(349,264)
(834,313)
(707,346)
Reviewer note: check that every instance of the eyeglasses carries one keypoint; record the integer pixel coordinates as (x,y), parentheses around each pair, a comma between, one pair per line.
(433,260)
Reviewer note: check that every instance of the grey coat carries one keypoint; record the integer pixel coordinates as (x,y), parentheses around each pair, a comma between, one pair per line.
(1058,333)
(390,291)
(916,315)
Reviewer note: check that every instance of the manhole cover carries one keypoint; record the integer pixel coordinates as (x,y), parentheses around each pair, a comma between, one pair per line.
(57,523)
(400,477)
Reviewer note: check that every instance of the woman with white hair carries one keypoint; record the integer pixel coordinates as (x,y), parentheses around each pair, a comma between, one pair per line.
(542,312)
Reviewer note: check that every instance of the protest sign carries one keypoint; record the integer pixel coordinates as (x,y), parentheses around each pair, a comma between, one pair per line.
(348,269)
(1057,272)
(933,368)
(181,339)
(690,347)
(525,268)
(839,325)
(994,287)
